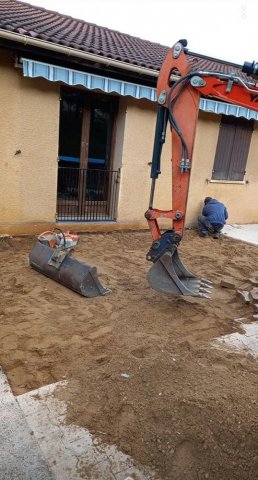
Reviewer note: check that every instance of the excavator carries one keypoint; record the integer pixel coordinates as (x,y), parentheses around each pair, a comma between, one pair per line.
(179,89)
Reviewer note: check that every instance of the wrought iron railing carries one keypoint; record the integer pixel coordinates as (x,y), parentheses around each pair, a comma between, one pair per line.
(87,195)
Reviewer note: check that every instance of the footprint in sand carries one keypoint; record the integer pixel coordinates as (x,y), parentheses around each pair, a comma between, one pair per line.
(100,332)
(141,352)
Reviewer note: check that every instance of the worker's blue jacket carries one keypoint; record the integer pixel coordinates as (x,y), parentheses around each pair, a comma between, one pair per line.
(215,212)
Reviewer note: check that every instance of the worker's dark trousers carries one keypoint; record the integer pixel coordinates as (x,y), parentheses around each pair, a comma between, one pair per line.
(206,228)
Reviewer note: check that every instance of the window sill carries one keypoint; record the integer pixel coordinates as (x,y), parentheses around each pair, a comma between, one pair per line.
(235,182)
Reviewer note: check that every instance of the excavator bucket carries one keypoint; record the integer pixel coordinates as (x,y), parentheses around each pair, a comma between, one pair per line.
(61,267)
(169,275)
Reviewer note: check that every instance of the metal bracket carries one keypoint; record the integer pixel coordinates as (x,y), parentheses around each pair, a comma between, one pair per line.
(229,86)
(167,242)
(197,81)
(162,97)
(177,50)
(57,258)
(17,62)
(185,165)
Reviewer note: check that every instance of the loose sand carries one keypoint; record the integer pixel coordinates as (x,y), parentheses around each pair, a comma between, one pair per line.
(141,371)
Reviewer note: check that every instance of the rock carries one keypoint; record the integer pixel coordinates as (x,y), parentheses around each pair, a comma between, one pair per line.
(253,280)
(245,295)
(225,284)
(254,294)
(240,319)
(245,286)
(254,274)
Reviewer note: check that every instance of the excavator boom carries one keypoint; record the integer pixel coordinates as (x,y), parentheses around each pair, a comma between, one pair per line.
(179,89)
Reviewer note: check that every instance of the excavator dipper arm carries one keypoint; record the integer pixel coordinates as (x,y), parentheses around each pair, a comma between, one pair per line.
(179,90)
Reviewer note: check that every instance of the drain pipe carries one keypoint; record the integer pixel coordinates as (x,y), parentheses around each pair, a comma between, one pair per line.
(73,52)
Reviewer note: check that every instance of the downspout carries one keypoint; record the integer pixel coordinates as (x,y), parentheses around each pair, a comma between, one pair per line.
(73,52)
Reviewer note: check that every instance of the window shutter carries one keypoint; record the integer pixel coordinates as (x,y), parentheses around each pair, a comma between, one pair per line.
(232,148)
(223,151)
(240,150)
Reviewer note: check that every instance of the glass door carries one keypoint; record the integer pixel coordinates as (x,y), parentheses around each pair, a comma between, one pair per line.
(85,153)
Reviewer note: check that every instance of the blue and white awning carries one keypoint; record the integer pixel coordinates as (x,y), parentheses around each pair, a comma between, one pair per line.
(221,108)
(71,77)
(91,81)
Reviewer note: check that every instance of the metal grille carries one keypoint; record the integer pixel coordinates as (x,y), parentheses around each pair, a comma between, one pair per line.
(87,195)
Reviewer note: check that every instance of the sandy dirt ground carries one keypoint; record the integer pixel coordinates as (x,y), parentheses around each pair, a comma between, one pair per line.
(141,369)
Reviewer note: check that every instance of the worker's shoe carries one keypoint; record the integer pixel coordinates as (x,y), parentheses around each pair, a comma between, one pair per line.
(217,235)
(204,234)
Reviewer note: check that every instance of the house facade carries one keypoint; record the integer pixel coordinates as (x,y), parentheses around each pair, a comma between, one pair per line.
(77,130)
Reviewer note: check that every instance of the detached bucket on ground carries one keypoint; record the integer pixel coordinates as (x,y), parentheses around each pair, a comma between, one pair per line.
(58,264)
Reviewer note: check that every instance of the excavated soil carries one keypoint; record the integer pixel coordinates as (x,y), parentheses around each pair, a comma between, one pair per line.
(142,372)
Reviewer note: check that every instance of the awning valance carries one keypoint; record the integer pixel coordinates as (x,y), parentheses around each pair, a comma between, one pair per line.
(54,73)
(221,108)
(71,77)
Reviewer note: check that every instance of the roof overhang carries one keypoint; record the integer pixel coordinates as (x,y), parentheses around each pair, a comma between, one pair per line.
(71,53)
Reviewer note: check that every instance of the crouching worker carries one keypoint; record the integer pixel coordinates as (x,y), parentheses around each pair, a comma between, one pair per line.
(213,218)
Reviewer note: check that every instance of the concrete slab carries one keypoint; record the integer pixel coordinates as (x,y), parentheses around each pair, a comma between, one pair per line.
(37,444)
(20,455)
(244,342)
(246,233)
(247,341)
(72,452)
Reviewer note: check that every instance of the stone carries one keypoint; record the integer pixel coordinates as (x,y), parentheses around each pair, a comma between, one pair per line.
(240,319)
(245,286)
(254,274)
(226,284)
(254,294)
(253,280)
(245,296)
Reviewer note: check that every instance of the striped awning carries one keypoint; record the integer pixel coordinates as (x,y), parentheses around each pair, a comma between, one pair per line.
(54,73)
(208,105)
(71,77)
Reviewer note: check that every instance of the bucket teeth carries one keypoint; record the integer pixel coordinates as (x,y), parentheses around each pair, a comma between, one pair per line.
(205,280)
(203,295)
(204,290)
(205,285)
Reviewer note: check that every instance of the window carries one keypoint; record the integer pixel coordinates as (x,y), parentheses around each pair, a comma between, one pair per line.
(232,148)
(86,129)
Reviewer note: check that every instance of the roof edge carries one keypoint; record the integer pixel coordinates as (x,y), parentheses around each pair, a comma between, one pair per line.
(213,59)
(72,52)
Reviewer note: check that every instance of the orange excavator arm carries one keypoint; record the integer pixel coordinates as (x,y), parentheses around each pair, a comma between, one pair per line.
(178,104)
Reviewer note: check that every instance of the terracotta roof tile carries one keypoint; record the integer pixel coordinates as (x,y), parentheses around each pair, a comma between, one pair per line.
(37,22)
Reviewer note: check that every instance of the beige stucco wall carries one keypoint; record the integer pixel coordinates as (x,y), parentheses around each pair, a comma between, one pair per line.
(241,199)
(29,122)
